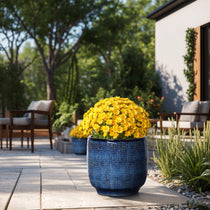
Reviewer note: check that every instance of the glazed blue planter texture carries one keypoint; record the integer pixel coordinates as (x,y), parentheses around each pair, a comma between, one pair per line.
(119,167)
(79,146)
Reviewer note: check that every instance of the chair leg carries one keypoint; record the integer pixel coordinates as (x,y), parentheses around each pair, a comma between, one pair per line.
(32,140)
(21,138)
(1,135)
(27,142)
(10,138)
(50,136)
(7,135)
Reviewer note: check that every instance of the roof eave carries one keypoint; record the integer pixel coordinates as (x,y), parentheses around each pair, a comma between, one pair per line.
(168,8)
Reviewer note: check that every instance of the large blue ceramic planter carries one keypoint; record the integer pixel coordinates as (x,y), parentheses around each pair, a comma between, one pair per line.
(117,168)
(79,146)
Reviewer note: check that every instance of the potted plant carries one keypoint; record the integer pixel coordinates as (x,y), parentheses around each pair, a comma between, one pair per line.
(117,148)
(65,117)
(79,140)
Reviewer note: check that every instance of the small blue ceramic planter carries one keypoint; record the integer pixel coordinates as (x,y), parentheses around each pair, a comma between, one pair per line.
(119,167)
(79,146)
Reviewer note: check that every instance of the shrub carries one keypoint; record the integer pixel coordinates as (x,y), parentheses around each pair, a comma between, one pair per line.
(148,100)
(185,161)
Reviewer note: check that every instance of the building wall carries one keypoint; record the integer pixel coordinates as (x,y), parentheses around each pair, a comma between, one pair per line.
(171,47)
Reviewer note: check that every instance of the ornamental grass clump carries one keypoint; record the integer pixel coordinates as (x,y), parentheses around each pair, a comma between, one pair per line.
(186,161)
(116,118)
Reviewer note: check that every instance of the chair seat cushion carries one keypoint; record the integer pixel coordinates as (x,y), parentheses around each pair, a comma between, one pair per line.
(167,124)
(21,121)
(4,121)
(40,122)
(191,125)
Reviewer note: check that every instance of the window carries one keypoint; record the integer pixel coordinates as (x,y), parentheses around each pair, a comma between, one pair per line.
(205,62)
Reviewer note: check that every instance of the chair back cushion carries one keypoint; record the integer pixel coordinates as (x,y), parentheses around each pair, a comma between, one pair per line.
(42,105)
(32,106)
(204,107)
(190,107)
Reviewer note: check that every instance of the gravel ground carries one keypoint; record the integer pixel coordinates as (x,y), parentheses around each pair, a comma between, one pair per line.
(196,201)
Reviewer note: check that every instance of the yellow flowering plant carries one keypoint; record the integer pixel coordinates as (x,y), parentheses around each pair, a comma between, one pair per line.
(78,132)
(116,118)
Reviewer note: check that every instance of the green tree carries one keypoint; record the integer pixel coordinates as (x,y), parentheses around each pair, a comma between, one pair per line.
(119,51)
(11,41)
(11,89)
(57,28)
(105,35)
(33,78)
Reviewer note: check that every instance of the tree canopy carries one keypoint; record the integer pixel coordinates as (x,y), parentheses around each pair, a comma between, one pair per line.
(56,27)
(70,50)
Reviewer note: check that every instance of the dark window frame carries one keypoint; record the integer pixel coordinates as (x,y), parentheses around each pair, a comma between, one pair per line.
(203,63)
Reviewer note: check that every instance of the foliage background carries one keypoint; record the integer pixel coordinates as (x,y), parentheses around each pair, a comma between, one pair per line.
(115,55)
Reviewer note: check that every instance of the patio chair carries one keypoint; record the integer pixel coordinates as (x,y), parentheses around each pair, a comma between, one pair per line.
(37,116)
(194,114)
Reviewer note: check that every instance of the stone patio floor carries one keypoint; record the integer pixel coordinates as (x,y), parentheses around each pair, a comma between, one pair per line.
(47,179)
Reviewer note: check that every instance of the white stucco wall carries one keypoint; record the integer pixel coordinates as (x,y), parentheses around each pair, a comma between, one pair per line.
(171,47)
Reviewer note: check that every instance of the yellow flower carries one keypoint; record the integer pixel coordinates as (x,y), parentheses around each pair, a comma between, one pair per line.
(96,127)
(109,122)
(128,133)
(119,129)
(119,119)
(100,120)
(116,111)
(105,129)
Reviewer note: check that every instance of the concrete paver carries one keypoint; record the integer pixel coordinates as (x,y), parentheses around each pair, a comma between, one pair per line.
(47,179)
(27,191)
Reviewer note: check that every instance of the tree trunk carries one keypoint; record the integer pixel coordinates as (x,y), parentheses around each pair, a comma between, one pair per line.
(51,91)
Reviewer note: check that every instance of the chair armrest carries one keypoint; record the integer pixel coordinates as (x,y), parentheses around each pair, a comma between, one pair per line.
(197,114)
(13,112)
(41,112)
(162,115)
(167,114)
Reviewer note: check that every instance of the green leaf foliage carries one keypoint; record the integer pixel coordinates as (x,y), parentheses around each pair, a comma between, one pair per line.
(65,116)
(149,100)
(188,60)
(11,89)
(88,102)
